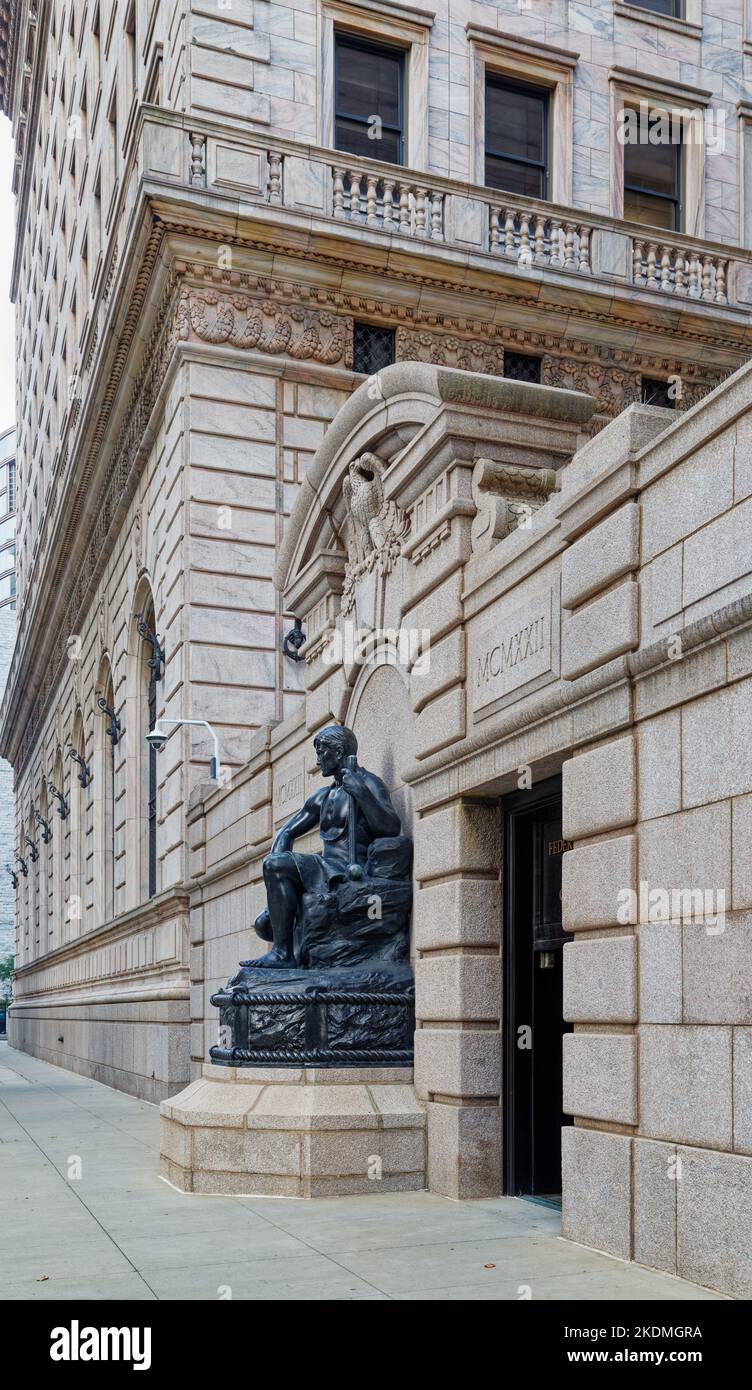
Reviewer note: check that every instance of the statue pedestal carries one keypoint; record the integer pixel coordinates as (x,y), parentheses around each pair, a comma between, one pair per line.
(307,1132)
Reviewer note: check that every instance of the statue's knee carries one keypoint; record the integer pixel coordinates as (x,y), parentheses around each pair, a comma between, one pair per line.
(279,865)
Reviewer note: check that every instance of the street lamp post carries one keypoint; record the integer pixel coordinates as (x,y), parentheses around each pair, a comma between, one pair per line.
(157,738)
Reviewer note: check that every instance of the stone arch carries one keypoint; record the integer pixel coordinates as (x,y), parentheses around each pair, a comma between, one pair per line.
(46,862)
(104,798)
(141,864)
(59,835)
(380,700)
(75,909)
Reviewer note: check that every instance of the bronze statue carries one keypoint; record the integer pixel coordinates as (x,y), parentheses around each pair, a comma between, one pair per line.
(353,812)
(336,988)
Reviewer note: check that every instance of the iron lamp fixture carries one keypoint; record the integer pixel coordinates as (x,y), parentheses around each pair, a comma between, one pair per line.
(156,661)
(84,776)
(13,875)
(33,851)
(293,640)
(114,730)
(24,866)
(63,807)
(45,827)
(156,739)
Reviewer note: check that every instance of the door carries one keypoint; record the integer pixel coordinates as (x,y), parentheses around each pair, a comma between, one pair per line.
(533,1022)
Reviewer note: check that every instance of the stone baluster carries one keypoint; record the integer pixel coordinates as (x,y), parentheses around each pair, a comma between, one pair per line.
(694,276)
(354,178)
(679,268)
(510,222)
(275,176)
(421,194)
(540,239)
(437,221)
(389,204)
(404,208)
(525,256)
(721,271)
(665,267)
(638,252)
(584,249)
(707,277)
(338,193)
(569,260)
(372,206)
(493,229)
(198,161)
(652,255)
(557,257)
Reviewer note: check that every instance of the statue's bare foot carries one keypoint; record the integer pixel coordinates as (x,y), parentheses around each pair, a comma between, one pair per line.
(273,960)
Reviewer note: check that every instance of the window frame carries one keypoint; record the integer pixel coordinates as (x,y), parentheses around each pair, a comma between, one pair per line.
(367,44)
(501,81)
(531,63)
(388,23)
(677,199)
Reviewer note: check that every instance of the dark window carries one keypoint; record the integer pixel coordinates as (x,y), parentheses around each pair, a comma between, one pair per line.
(652,176)
(656,393)
(520,367)
(11,486)
(369,82)
(517,138)
(675,8)
(373,348)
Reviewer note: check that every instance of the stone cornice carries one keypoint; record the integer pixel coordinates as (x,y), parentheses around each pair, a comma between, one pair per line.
(162,908)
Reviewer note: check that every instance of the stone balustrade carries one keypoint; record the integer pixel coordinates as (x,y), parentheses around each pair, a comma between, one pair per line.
(680,269)
(524,234)
(531,237)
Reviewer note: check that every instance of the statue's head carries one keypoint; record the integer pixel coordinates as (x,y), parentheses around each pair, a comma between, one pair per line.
(333,744)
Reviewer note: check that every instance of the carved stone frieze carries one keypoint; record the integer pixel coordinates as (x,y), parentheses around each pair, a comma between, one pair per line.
(262,325)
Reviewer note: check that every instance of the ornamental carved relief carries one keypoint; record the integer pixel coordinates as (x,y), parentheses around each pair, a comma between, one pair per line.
(375,526)
(446,350)
(259,324)
(613,387)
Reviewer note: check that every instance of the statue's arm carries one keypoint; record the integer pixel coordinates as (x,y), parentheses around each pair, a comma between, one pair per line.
(304,820)
(375,805)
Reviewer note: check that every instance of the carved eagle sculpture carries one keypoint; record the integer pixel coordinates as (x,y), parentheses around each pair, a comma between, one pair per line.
(375,525)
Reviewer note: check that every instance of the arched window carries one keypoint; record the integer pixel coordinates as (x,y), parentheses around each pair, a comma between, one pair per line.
(59,826)
(106,738)
(30,853)
(77,834)
(145,670)
(45,844)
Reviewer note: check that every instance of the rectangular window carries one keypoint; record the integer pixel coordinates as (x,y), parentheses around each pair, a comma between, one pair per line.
(652,175)
(369,99)
(655,392)
(517,137)
(373,348)
(519,366)
(674,8)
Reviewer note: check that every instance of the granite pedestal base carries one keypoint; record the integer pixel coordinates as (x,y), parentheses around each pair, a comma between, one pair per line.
(311,1132)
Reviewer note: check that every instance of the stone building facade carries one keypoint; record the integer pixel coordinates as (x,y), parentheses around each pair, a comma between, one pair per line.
(7,639)
(204,274)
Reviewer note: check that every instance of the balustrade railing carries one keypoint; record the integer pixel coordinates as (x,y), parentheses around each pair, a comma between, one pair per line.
(522,233)
(392,204)
(660,265)
(530,237)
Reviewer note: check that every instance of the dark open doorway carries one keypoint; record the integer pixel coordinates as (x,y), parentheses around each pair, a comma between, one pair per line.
(533,1023)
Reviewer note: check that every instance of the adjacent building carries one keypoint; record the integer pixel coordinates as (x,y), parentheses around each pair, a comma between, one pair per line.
(508,223)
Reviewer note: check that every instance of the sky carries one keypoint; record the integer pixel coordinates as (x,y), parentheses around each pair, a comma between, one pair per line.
(7,221)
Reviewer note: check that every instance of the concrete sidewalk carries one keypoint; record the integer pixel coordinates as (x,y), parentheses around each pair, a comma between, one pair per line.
(84,1214)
